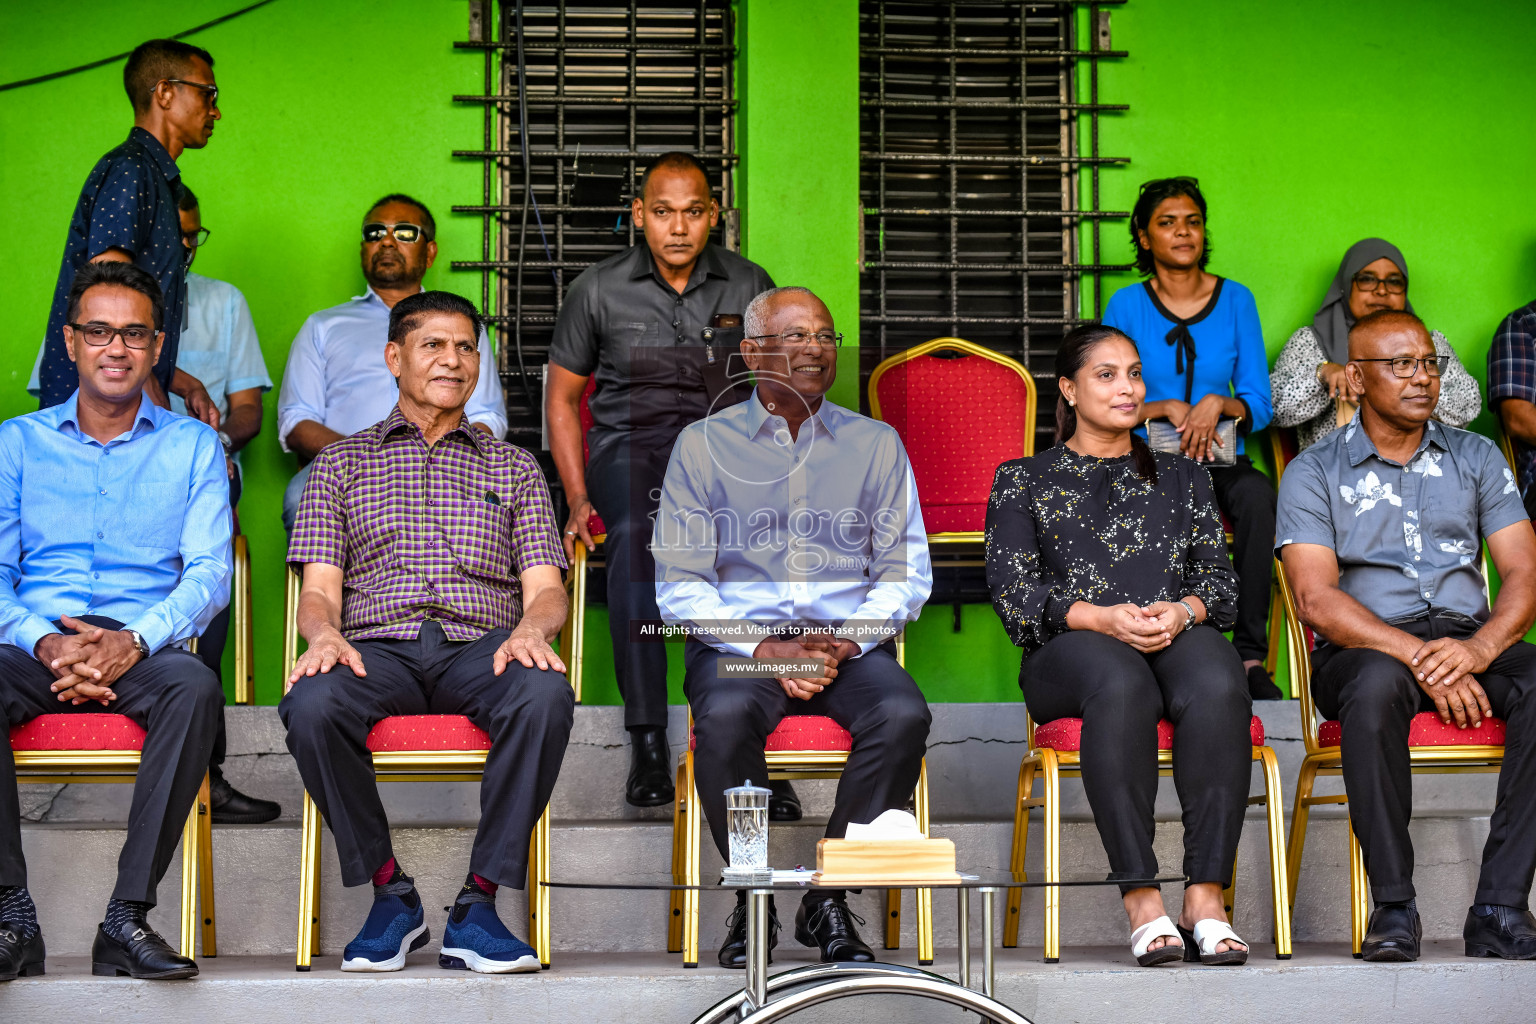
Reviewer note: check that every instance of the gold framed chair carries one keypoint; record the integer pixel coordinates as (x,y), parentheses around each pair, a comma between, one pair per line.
(1054,753)
(573,634)
(241,623)
(412,748)
(105,747)
(1469,751)
(802,747)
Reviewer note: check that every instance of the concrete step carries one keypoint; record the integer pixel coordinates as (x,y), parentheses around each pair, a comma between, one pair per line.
(973,765)
(71,871)
(1092,986)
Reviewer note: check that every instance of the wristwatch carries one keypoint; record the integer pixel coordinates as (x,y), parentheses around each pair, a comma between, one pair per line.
(228,443)
(138,641)
(1189,622)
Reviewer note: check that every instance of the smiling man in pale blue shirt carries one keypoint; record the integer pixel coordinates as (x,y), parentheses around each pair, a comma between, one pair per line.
(114,552)
(789,534)
(336,382)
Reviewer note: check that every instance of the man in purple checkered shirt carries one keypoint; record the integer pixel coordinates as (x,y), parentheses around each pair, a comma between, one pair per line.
(431,586)
(1512,392)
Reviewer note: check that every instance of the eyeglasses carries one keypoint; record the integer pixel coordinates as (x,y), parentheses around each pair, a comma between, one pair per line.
(1407,366)
(1396,283)
(100,334)
(403,232)
(799,339)
(193,239)
(210,92)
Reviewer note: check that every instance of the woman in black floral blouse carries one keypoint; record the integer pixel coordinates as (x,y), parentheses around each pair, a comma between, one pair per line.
(1108,566)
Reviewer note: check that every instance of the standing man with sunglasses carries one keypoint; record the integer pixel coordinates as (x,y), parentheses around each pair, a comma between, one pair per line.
(336,382)
(127,211)
(635,323)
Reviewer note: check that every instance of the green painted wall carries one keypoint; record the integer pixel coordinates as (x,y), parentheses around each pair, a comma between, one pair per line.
(1309,125)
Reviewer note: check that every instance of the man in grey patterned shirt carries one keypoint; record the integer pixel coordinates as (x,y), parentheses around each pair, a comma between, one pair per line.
(1379,527)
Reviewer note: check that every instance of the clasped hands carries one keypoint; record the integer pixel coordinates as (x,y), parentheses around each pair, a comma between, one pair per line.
(1147,628)
(86,663)
(1443,669)
(1196,425)
(822,647)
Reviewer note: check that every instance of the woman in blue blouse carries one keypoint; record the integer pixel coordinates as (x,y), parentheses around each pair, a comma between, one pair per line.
(1204,361)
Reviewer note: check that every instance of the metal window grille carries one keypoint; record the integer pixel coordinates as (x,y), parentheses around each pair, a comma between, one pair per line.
(607,87)
(979,172)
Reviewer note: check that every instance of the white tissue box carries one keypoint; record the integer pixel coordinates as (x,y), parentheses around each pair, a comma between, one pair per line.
(851,863)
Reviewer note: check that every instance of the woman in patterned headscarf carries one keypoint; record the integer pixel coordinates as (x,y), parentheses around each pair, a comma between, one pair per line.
(1308,380)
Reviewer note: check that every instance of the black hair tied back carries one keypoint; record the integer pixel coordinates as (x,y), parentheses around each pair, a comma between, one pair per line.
(1070,359)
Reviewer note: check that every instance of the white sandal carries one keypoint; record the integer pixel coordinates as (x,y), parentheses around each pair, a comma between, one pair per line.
(1160,928)
(1208,934)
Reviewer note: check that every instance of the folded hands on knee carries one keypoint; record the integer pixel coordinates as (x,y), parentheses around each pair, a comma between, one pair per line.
(820,647)
(87,662)
(1443,669)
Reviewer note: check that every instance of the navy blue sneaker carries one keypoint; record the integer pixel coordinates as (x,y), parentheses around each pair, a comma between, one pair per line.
(476,940)
(396,925)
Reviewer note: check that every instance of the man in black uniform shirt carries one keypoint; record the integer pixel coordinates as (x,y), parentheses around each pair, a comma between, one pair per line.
(636,322)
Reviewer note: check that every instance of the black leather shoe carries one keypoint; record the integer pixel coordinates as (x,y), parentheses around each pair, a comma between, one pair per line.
(1506,933)
(733,953)
(141,953)
(650,776)
(1261,687)
(1392,936)
(232,807)
(783,804)
(19,957)
(828,924)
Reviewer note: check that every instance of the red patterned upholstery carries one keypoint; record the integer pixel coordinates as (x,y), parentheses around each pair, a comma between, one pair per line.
(1067,734)
(89,731)
(804,732)
(427,732)
(959,418)
(1426,730)
(594,522)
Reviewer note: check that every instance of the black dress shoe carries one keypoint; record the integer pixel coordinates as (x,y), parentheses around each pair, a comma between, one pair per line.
(1261,687)
(1393,934)
(783,804)
(650,776)
(20,957)
(141,953)
(232,807)
(733,952)
(828,924)
(1506,933)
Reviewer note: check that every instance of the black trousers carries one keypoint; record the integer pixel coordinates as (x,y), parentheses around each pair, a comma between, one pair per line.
(1247,498)
(872,697)
(210,646)
(176,700)
(1374,698)
(1198,684)
(624,482)
(527,711)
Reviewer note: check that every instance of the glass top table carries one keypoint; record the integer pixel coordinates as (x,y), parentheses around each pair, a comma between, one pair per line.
(764,999)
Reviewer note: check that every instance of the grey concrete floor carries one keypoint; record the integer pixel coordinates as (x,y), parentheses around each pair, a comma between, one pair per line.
(1095,985)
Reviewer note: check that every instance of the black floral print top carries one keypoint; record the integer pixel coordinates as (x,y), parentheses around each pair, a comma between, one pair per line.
(1064,527)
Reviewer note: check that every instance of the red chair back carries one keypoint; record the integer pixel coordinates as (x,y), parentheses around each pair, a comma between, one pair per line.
(961,411)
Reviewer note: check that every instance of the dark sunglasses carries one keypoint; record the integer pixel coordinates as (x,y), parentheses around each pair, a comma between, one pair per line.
(403,232)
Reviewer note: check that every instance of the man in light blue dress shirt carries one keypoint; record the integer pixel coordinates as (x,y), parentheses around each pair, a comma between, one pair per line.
(114,552)
(790,535)
(336,382)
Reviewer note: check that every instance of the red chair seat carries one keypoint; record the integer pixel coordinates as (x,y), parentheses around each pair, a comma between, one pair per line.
(803,732)
(90,731)
(1426,730)
(427,732)
(1067,734)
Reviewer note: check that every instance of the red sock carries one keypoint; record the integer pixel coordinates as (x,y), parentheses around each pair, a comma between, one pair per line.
(385,873)
(489,887)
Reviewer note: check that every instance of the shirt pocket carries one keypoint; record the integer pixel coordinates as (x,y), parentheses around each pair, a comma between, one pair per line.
(637,348)
(154,515)
(481,539)
(1451,523)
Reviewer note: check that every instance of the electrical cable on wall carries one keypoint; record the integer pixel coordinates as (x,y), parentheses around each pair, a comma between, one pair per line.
(528,199)
(108,60)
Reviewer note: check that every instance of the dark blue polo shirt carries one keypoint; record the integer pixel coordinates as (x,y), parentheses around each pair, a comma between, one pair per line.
(129,203)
